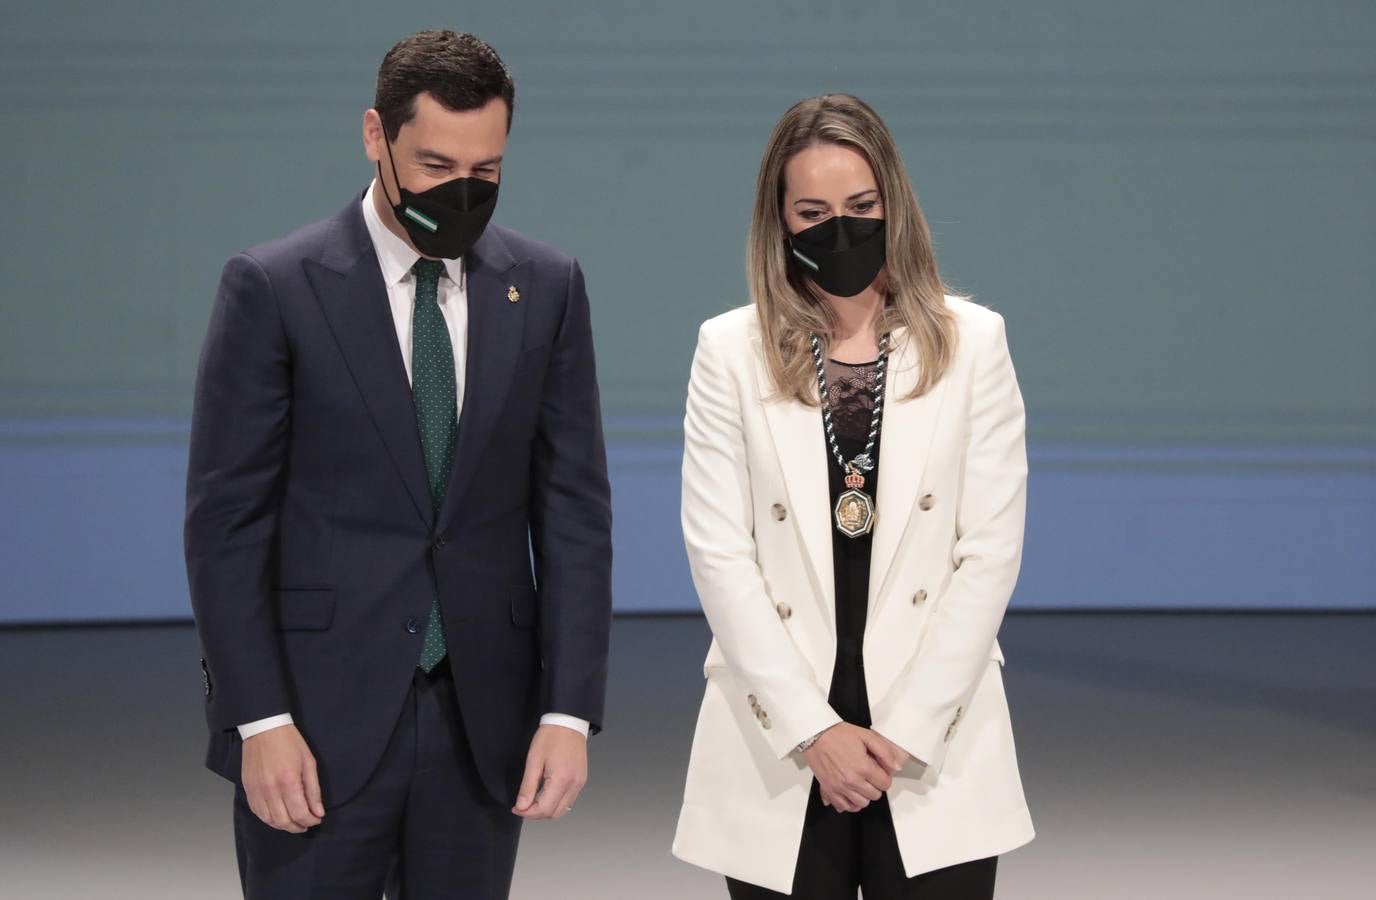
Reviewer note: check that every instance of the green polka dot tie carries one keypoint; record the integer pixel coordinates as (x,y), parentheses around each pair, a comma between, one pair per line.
(436,394)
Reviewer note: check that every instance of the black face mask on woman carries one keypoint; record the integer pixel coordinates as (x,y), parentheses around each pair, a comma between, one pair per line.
(447,220)
(843,255)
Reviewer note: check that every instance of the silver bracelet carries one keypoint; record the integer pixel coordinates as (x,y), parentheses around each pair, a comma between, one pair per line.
(809,742)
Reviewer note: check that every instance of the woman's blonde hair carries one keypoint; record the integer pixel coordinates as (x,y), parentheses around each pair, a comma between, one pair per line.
(789,306)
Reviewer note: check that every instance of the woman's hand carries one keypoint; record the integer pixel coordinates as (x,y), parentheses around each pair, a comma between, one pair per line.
(853,766)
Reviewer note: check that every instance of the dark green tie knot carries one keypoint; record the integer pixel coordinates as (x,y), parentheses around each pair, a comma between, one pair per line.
(428,271)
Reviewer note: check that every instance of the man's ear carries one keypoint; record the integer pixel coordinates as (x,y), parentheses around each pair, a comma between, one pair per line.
(373,137)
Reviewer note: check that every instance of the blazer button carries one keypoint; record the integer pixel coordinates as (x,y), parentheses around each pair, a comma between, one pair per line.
(783,610)
(754,704)
(764,721)
(920,597)
(412,626)
(779,512)
(439,543)
(926,502)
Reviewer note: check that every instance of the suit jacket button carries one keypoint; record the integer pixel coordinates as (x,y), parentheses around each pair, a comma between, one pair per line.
(764,721)
(412,626)
(926,502)
(754,704)
(779,512)
(783,610)
(920,597)
(439,543)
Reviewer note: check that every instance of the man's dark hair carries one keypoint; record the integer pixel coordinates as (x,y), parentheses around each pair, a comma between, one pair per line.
(461,71)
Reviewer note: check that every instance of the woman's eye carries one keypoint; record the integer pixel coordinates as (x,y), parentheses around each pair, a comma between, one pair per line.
(866,206)
(812,215)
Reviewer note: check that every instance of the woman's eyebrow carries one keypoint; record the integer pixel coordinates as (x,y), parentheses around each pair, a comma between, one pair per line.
(855,196)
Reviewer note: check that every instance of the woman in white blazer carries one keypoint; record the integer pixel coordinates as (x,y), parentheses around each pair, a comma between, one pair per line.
(854,732)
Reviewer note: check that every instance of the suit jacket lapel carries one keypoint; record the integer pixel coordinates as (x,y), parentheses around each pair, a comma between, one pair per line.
(495,329)
(906,437)
(799,441)
(348,285)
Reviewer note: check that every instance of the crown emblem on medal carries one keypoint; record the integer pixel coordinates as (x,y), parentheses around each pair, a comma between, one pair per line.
(854,480)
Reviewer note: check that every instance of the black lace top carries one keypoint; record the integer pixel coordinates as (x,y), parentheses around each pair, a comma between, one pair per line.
(850,391)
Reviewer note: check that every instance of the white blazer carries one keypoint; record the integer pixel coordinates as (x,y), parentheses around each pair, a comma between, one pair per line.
(947,545)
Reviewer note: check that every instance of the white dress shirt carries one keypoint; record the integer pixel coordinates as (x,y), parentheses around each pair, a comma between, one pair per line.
(396,258)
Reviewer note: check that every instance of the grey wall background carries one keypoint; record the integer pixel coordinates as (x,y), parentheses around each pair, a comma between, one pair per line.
(1172,203)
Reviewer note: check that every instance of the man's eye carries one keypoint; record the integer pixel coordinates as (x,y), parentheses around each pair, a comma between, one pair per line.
(435,167)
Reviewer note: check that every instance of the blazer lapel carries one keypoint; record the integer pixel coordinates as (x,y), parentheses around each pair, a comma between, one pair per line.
(348,285)
(800,443)
(908,428)
(495,328)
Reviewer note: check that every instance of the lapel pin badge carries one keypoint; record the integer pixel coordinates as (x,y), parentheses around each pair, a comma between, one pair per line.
(512,294)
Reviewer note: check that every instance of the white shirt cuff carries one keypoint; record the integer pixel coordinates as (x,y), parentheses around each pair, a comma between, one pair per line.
(262,725)
(250,729)
(579,725)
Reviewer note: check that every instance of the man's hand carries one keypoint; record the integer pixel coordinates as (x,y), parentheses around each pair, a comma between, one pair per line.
(853,766)
(556,770)
(280,780)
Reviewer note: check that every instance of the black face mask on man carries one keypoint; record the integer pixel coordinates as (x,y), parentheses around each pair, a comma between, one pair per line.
(843,255)
(447,220)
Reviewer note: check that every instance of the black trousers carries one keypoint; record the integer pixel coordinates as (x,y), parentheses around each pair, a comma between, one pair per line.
(423,826)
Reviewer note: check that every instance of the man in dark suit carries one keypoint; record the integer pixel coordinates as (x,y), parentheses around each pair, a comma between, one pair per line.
(398,518)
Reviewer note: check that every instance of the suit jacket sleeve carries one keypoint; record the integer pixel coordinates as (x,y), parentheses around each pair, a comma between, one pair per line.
(570,520)
(921,710)
(718,530)
(239,444)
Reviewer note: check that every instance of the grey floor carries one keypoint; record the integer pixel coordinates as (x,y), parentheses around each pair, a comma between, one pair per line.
(1165,756)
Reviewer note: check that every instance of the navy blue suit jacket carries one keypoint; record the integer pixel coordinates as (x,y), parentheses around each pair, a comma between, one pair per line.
(311,539)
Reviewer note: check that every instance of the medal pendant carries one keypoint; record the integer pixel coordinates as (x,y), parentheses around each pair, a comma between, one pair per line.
(854,508)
